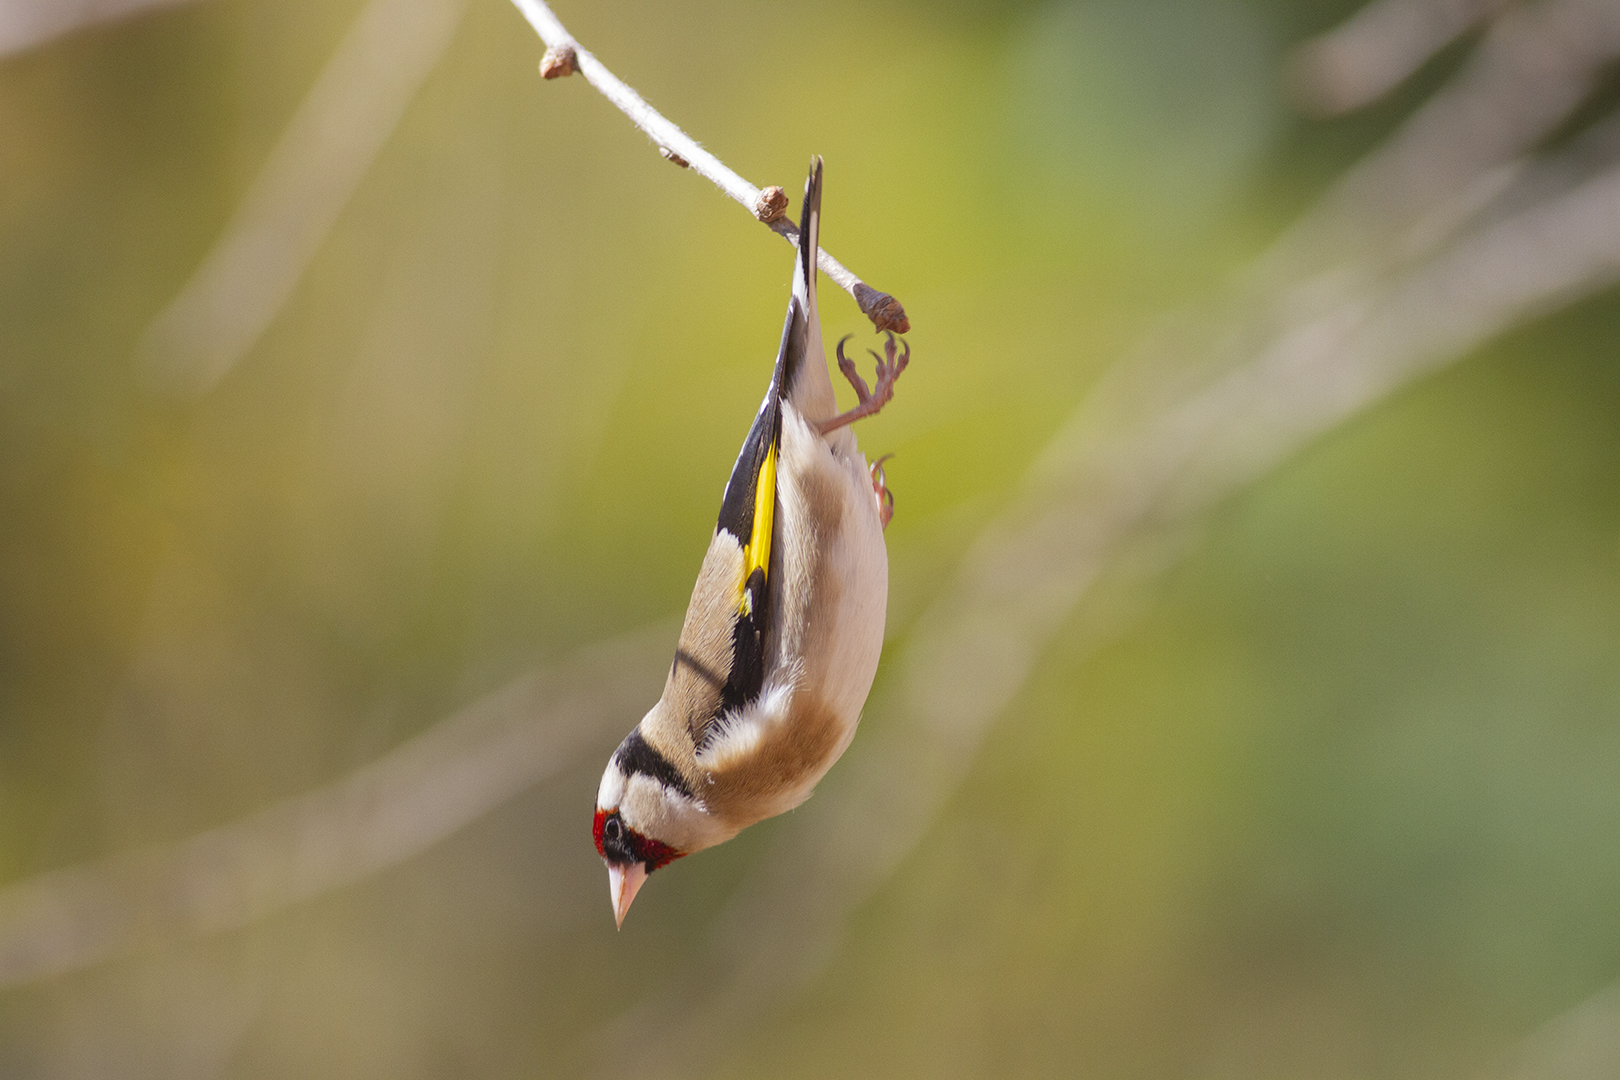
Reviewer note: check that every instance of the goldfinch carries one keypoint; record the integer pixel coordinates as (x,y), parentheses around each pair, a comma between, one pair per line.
(783,632)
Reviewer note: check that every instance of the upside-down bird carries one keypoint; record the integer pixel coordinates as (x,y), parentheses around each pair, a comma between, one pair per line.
(783,632)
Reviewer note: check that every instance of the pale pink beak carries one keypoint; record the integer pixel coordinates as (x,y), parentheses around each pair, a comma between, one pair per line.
(623,884)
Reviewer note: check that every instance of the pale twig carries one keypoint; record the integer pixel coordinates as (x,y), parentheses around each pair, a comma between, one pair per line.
(381,814)
(1377,49)
(319,160)
(564,54)
(28,24)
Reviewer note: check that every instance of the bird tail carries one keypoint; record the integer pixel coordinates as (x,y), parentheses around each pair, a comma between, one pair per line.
(802,363)
(800,377)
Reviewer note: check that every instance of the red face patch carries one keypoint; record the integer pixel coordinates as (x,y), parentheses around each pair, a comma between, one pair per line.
(619,843)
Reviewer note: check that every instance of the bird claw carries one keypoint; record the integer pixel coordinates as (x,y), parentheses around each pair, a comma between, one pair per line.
(847,366)
(880,489)
(870,399)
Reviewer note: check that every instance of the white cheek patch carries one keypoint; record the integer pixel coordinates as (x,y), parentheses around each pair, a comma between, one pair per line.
(646,802)
(664,814)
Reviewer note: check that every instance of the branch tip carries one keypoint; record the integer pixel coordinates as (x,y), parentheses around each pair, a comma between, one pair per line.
(558,62)
(768,206)
(771,204)
(884,310)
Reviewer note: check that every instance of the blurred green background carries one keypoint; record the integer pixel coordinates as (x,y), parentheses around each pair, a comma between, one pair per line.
(1341,799)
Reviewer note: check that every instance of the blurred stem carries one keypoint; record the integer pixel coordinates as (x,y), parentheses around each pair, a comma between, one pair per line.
(28,24)
(380,814)
(566,55)
(318,162)
(1378,48)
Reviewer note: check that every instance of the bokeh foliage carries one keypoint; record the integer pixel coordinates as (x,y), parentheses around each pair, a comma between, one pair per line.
(1338,800)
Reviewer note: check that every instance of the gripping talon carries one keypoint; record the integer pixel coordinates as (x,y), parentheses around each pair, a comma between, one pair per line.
(862,393)
(870,399)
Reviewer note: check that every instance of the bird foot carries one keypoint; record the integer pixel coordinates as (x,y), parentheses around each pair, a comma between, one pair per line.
(880,489)
(889,367)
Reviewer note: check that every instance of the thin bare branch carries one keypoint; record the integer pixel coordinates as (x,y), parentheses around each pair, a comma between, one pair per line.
(325,150)
(884,310)
(381,814)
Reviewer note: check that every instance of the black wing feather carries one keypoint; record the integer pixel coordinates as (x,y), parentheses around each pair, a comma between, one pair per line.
(747,675)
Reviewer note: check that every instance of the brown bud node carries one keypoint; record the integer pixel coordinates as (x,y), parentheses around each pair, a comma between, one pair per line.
(884,310)
(771,204)
(670,155)
(557,62)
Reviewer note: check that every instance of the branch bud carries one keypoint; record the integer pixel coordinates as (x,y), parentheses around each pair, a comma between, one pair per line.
(557,63)
(669,155)
(884,310)
(771,204)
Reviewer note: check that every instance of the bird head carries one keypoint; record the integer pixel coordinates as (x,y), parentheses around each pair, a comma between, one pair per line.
(646,817)
(630,856)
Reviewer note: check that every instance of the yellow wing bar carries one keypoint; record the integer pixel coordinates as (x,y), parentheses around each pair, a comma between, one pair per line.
(757,555)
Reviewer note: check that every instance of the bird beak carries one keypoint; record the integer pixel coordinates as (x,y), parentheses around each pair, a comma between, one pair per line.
(623,884)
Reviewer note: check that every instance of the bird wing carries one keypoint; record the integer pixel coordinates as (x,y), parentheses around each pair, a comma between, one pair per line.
(748,519)
(737,590)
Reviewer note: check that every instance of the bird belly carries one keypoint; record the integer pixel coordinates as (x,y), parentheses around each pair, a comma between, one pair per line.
(826,633)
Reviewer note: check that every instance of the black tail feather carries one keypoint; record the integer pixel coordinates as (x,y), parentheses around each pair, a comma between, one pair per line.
(737,507)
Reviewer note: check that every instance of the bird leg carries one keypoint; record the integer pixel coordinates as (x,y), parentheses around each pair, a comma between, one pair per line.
(885,497)
(889,368)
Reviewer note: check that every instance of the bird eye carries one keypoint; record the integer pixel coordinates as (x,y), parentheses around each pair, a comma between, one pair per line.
(612,830)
